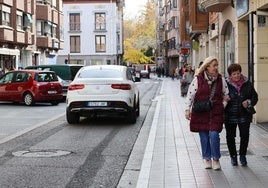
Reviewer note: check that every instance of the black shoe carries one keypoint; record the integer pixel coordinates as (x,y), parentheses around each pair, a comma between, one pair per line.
(234,160)
(243,160)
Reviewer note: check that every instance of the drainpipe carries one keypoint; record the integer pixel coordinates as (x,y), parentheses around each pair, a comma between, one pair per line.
(251,49)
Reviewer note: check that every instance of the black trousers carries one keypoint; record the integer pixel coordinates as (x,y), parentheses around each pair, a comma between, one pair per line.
(244,137)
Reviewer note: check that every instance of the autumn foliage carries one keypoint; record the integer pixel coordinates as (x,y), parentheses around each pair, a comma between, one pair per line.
(139,37)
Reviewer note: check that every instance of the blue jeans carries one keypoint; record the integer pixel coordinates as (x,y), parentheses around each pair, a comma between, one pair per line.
(210,144)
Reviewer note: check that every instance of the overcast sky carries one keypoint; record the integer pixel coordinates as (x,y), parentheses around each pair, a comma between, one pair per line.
(133,7)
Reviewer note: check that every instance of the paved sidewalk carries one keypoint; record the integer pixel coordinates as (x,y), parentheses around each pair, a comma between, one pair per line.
(173,159)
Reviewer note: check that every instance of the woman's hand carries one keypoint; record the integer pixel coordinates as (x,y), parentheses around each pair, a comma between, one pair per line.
(188,114)
(245,103)
(226,98)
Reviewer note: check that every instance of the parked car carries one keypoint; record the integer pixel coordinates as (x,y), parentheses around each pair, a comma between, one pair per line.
(66,72)
(103,89)
(30,86)
(144,74)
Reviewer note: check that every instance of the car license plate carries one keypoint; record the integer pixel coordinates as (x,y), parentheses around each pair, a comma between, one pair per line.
(97,103)
(51,92)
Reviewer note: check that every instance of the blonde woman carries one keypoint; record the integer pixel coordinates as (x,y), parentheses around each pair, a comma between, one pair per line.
(210,123)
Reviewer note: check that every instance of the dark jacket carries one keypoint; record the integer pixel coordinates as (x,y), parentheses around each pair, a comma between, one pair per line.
(234,111)
(212,120)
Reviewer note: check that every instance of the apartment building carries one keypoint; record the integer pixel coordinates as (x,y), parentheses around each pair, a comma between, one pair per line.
(92,32)
(30,32)
(234,31)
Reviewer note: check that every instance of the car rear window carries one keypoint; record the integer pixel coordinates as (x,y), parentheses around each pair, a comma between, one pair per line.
(100,73)
(46,77)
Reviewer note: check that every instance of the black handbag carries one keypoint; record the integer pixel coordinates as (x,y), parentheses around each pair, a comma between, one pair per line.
(205,105)
(202,106)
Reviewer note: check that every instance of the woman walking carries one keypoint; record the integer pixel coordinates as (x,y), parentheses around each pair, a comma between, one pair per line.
(208,83)
(238,112)
(187,78)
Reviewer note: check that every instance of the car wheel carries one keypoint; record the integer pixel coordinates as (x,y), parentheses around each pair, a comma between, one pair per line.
(28,99)
(131,116)
(54,103)
(72,118)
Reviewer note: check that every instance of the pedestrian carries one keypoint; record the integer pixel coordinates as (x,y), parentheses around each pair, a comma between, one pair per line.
(199,65)
(208,124)
(239,112)
(177,70)
(186,80)
(162,71)
(172,73)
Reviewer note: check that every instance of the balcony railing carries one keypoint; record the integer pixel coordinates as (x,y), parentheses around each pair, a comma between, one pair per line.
(214,5)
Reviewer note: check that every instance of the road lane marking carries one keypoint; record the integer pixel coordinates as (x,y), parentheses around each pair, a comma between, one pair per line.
(8,138)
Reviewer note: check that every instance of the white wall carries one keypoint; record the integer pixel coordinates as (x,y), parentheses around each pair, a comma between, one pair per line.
(87,34)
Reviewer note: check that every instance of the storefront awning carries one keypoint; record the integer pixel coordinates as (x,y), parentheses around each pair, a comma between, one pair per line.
(6,51)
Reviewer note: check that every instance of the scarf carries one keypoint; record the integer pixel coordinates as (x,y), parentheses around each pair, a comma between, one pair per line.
(210,78)
(239,83)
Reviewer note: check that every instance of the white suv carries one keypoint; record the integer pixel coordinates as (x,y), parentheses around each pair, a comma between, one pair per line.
(103,89)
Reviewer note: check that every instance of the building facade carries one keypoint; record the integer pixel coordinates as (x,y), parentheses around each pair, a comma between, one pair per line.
(30,32)
(92,32)
(234,31)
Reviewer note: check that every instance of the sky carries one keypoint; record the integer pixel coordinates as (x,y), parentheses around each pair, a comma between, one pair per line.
(133,7)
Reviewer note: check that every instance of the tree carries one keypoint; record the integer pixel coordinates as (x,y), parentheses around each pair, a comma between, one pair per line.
(140,37)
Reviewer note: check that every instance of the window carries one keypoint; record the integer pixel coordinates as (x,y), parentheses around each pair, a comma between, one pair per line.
(7,78)
(54,31)
(44,28)
(27,22)
(5,18)
(48,29)
(39,28)
(61,32)
(75,44)
(19,22)
(74,22)
(45,2)
(174,3)
(100,43)
(100,21)
(100,73)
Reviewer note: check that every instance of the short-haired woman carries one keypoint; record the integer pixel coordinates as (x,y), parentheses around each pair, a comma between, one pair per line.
(210,123)
(238,112)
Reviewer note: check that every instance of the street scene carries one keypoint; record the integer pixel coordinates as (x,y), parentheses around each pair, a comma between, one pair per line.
(133,94)
(45,151)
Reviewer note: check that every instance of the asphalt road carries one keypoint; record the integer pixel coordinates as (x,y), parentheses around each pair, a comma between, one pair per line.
(39,148)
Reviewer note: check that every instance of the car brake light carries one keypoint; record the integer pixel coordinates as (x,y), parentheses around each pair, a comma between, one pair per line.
(76,86)
(121,86)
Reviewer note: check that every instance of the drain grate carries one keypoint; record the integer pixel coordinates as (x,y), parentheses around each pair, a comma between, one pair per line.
(40,153)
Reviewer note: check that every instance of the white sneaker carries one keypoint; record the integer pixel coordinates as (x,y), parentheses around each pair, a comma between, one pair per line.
(216,165)
(208,164)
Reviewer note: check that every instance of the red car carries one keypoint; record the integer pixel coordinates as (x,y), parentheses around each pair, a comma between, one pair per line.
(30,86)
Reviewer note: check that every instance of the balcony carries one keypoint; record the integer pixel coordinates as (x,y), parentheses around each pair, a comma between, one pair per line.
(214,5)
(6,34)
(198,21)
(44,42)
(7,2)
(43,12)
